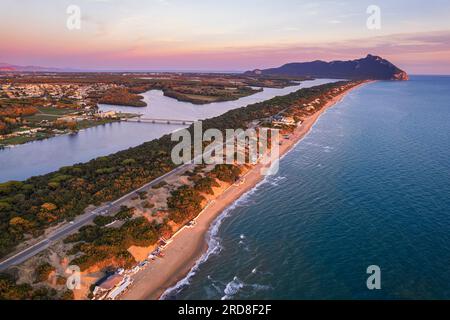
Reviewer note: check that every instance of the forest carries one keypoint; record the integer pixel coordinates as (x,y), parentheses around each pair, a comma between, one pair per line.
(122,97)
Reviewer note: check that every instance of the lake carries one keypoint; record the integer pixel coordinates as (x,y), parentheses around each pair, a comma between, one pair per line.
(40,157)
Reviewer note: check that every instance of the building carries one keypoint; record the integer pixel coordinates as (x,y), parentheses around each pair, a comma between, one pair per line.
(109,283)
(106,114)
(71,118)
(116,292)
(280,120)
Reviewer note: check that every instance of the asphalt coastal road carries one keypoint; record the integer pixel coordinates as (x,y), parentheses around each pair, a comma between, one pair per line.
(87,218)
(82,220)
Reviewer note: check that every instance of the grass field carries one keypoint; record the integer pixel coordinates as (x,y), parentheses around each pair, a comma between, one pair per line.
(56,111)
(40,117)
(49,114)
(24,139)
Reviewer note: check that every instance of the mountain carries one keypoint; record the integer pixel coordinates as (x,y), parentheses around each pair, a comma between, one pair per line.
(370,67)
(6,67)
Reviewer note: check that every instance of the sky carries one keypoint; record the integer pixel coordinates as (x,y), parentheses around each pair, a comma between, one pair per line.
(230,35)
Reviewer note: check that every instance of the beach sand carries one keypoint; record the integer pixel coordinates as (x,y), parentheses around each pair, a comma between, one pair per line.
(190,243)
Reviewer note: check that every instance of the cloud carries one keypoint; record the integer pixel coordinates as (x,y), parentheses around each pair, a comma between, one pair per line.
(422,51)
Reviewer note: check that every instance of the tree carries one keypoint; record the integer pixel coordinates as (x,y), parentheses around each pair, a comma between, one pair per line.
(43,272)
(20,224)
(49,206)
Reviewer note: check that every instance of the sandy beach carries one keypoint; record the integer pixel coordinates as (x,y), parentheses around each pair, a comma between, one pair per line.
(190,244)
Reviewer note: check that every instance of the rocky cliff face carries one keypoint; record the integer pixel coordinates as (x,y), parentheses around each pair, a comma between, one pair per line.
(370,67)
(401,76)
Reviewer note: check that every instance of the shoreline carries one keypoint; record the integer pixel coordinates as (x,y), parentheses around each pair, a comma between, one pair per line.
(55,135)
(190,246)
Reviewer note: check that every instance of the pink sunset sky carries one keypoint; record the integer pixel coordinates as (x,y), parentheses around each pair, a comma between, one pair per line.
(223,35)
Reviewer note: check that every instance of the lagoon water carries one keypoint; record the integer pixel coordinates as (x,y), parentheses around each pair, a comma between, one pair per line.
(370,185)
(40,157)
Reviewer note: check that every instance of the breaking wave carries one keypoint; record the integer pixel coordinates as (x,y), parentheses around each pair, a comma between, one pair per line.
(213,240)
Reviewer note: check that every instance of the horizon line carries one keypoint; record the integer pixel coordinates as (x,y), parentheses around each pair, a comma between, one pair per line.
(165,71)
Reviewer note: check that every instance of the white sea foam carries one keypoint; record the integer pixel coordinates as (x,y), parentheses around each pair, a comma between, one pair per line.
(237,285)
(259,287)
(214,242)
(276,180)
(232,288)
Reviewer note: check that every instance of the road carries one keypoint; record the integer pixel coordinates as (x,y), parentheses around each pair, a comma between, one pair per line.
(82,220)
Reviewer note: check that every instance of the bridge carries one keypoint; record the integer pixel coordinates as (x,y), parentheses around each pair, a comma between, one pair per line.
(159,121)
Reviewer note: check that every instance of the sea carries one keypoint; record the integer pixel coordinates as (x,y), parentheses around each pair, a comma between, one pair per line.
(368,187)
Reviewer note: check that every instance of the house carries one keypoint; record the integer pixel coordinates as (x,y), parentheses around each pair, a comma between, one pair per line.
(109,283)
(119,289)
(69,118)
(112,286)
(280,120)
(106,114)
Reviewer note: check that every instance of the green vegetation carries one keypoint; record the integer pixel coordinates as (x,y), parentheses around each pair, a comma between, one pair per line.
(32,119)
(12,112)
(125,213)
(67,295)
(142,195)
(56,111)
(24,139)
(205,185)
(226,172)
(159,185)
(184,204)
(103,220)
(30,206)
(147,205)
(43,272)
(202,94)
(72,189)
(97,244)
(122,97)
(9,290)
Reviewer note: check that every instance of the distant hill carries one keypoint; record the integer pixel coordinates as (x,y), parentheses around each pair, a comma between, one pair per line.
(6,67)
(370,67)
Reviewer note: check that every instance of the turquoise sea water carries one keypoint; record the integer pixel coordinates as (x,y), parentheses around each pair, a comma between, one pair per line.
(370,185)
